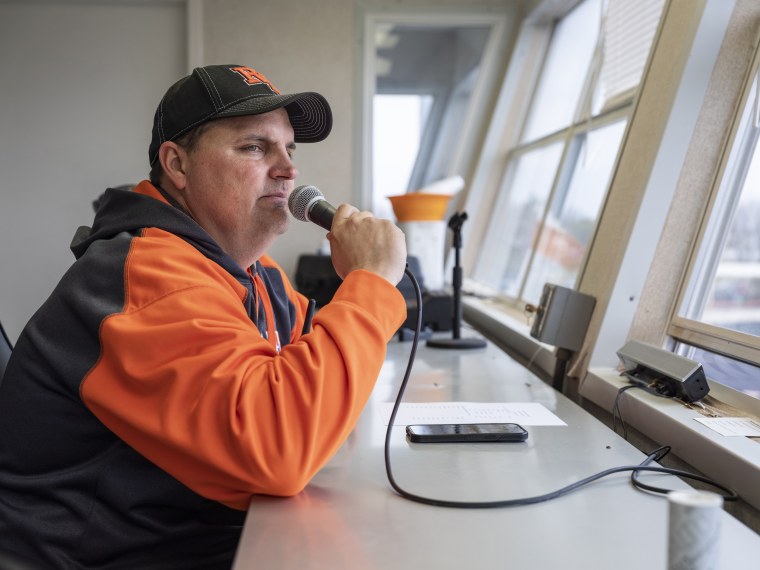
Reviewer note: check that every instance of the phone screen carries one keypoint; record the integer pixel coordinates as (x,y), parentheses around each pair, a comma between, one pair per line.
(443,433)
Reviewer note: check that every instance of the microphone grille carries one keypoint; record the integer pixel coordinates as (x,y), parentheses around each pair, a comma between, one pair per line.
(300,199)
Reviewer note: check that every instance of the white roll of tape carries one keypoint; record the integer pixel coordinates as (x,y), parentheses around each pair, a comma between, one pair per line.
(693,530)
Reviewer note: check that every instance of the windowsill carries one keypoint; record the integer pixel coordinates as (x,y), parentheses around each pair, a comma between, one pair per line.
(732,461)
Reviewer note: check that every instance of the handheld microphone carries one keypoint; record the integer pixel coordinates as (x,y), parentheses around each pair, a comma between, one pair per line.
(308,204)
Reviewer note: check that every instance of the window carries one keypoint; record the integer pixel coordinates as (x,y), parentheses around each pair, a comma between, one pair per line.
(557,175)
(718,321)
(399,123)
(565,71)
(425,77)
(570,221)
(426,82)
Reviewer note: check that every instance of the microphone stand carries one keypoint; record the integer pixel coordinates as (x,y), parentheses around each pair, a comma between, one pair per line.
(455,223)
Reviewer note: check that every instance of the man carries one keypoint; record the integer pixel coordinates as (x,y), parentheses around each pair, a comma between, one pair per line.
(167,380)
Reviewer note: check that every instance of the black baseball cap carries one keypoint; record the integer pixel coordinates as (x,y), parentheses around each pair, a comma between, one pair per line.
(217,91)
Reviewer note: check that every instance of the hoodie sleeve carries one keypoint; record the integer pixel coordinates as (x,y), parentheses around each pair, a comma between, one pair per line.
(186,379)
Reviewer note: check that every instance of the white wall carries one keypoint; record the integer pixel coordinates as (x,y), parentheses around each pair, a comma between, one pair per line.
(80,84)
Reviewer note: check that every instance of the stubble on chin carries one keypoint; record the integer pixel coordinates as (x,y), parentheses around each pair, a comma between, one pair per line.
(284,214)
(275,221)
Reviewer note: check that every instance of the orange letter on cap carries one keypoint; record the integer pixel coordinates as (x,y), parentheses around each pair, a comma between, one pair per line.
(253,77)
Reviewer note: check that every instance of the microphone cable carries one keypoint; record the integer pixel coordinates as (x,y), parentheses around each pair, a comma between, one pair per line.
(656,455)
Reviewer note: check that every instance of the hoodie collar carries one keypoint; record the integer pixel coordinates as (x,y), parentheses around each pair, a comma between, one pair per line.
(147,206)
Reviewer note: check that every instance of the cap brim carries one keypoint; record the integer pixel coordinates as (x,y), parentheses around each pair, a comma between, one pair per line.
(309,113)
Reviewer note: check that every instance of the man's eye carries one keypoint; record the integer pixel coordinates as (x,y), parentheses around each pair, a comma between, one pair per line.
(253,148)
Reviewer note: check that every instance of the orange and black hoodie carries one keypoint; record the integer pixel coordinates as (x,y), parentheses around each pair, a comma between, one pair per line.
(161,386)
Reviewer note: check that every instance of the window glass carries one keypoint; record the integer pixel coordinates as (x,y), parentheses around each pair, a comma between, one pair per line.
(731,372)
(718,322)
(399,123)
(565,71)
(517,218)
(725,288)
(561,246)
(557,176)
(426,82)
(629,28)
(734,298)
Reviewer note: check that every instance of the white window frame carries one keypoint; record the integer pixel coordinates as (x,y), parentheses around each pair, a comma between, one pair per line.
(723,341)
(570,138)
(500,24)
(525,72)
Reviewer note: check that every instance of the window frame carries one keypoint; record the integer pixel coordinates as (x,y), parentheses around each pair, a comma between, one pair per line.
(583,122)
(625,252)
(716,339)
(570,138)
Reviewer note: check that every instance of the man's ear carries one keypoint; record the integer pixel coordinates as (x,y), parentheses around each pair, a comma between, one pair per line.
(174,160)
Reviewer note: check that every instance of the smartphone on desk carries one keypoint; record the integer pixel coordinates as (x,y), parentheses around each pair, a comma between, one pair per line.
(456,433)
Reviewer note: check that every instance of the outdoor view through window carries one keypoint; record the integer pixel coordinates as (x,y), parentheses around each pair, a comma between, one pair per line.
(719,320)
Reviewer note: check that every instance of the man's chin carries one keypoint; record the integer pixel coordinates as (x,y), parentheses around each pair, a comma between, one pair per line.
(279,221)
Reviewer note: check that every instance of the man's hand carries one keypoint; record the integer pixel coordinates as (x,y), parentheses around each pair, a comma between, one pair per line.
(358,240)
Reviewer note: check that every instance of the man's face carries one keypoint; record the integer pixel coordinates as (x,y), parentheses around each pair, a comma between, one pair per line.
(238,179)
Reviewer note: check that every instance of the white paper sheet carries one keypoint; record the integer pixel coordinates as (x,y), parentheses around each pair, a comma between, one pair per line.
(525,414)
(732,426)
